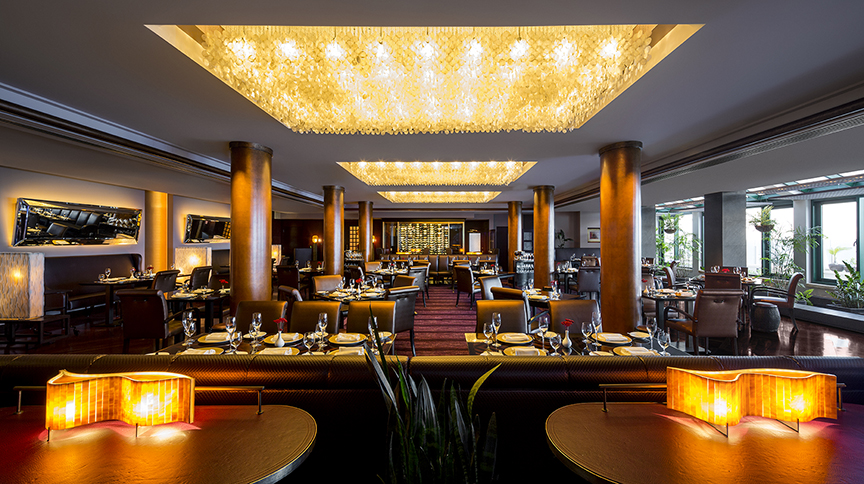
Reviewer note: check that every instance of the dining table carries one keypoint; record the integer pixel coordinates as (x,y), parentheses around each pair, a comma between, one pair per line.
(347,295)
(216,344)
(211,299)
(538,298)
(664,297)
(634,343)
(390,273)
(113,284)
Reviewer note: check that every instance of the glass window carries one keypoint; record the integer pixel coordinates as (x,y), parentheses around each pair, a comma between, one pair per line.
(754,244)
(839,236)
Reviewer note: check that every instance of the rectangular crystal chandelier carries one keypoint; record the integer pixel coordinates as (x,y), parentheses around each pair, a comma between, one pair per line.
(405,80)
(400,173)
(439,197)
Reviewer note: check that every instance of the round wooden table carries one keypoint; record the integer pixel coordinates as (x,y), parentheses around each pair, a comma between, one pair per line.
(224,444)
(646,443)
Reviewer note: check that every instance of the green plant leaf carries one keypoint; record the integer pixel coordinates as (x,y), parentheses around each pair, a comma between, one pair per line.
(476,387)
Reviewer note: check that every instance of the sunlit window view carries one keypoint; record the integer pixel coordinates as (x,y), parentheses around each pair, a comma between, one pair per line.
(784,225)
(839,236)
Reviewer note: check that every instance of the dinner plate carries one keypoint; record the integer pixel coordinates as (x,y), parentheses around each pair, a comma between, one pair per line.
(515,350)
(684,294)
(619,339)
(259,334)
(639,335)
(384,335)
(288,338)
(201,351)
(600,353)
(285,351)
(360,338)
(515,338)
(213,338)
(537,297)
(183,296)
(347,351)
(548,335)
(632,351)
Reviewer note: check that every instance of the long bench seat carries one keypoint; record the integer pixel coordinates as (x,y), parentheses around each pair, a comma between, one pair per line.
(64,275)
(344,398)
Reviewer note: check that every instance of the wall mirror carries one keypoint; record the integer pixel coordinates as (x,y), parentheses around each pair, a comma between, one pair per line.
(202,228)
(43,222)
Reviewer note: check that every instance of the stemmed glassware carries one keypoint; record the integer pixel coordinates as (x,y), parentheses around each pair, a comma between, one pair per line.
(107,272)
(256,330)
(651,326)
(663,338)
(234,339)
(496,325)
(371,325)
(231,327)
(322,329)
(309,341)
(586,330)
(188,327)
(488,331)
(543,325)
(555,342)
(597,322)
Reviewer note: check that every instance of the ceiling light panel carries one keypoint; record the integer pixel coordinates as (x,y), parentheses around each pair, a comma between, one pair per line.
(439,197)
(452,173)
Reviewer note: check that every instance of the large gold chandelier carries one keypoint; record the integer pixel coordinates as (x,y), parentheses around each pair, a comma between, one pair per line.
(439,197)
(398,80)
(401,173)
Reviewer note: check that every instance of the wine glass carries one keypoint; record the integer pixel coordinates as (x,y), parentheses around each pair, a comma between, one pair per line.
(256,329)
(530,285)
(188,327)
(488,331)
(107,272)
(371,325)
(101,277)
(230,324)
(597,322)
(586,330)
(234,339)
(651,326)
(309,341)
(496,325)
(322,323)
(543,325)
(555,342)
(663,338)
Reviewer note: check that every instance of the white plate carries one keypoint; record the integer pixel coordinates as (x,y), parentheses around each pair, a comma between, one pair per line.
(515,350)
(288,338)
(632,351)
(347,352)
(260,334)
(638,335)
(357,338)
(285,351)
(213,338)
(515,338)
(600,353)
(616,338)
(548,335)
(203,351)
(384,335)
(537,297)
(183,296)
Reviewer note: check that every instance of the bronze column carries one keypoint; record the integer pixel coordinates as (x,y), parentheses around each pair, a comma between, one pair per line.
(514,233)
(365,223)
(156,239)
(251,222)
(544,235)
(334,226)
(620,234)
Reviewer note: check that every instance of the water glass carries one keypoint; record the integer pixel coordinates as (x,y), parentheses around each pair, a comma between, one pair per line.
(555,342)
(586,330)
(371,325)
(309,341)
(107,272)
(188,327)
(651,326)
(322,323)
(234,339)
(496,325)
(488,331)
(663,338)
(543,325)
(101,277)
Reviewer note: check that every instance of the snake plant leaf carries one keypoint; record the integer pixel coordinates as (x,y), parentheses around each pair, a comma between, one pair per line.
(383,381)
(476,387)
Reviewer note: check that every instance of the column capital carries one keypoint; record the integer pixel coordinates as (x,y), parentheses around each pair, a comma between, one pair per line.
(621,144)
(251,146)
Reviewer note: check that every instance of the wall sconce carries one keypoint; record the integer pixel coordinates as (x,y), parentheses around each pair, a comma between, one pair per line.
(137,398)
(373,240)
(188,258)
(276,253)
(22,285)
(315,239)
(724,397)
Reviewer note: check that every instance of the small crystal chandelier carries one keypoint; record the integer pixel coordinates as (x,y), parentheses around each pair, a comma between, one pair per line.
(439,197)
(400,173)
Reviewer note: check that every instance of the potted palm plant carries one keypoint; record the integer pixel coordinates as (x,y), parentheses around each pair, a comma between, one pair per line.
(849,292)
(834,266)
(762,220)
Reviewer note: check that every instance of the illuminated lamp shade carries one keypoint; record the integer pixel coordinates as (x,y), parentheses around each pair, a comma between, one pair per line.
(188,258)
(276,253)
(22,285)
(724,397)
(138,398)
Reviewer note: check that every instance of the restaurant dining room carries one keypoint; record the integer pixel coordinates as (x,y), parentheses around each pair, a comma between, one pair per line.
(438,242)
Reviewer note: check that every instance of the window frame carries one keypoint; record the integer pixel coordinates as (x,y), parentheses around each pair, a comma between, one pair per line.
(816,260)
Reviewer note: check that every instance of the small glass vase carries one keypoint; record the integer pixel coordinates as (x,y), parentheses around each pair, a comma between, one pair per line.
(565,341)
(279,341)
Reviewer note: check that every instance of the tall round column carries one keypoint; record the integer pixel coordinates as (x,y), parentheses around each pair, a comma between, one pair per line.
(251,221)
(334,226)
(620,234)
(544,234)
(365,223)
(514,232)
(156,230)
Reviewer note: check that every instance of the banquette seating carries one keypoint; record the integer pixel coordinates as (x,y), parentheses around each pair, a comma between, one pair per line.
(440,266)
(64,275)
(345,400)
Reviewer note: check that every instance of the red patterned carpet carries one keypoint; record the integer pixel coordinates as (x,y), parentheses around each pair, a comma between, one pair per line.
(439,327)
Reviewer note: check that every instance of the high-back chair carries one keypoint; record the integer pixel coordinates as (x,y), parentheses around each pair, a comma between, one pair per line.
(722,280)
(270,312)
(649,306)
(486,285)
(715,314)
(406,300)
(359,312)
(419,274)
(499,293)
(290,295)
(200,277)
(403,281)
(513,318)
(465,283)
(326,283)
(165,281)
(146,316)
(588,281)
(304,316)
(288,275)
(779,297)
(356,272)
(578,310)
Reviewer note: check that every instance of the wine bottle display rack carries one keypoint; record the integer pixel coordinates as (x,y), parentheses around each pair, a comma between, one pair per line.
(417,236)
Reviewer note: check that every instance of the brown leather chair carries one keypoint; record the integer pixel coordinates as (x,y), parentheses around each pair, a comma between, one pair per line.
(369,267)
(722,280)
(513,294)
(403,281)
(649,306)
(326,283)
(779,297)
(359,312)
(486,285)
(200,277)
(588,280)
(419,273)
(406,300)
(165,281)
(146,316)
(356,272)
(578,310)
(671,280)
(288,275)
(290,295)
(465,283)
(270,312)
(715,314)
(304,316)
(513,319)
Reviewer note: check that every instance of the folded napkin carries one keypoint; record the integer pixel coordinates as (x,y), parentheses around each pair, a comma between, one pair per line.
(253,334)
(215,338)
(347,351)
(638,350)
(348,337)
(526,351)
(600,353)
(515,338)
(278,351)
(197,351)
(114,279)
(612,337)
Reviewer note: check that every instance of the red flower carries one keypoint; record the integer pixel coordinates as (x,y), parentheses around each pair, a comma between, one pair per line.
(567,323)
(280,320)
(359,280)
(644,280)
(223,281)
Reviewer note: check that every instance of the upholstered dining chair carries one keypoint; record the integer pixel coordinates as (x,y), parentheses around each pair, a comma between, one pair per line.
(146,316)
(403,281)
(671,280)
(290,295)
(304,316)
(779,297)
(722,280)
(588,281)
(406,299)
(512,294)
(200,277)
(270,312)
(420,273)
(513,319)
(486,285)
(465,283)
(715,315)
(578,310)
(359,312)
(165,281)
(370,267)
(289,275)
(649,306)
(326,283)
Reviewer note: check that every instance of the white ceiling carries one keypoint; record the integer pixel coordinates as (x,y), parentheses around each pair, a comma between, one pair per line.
(750,62)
